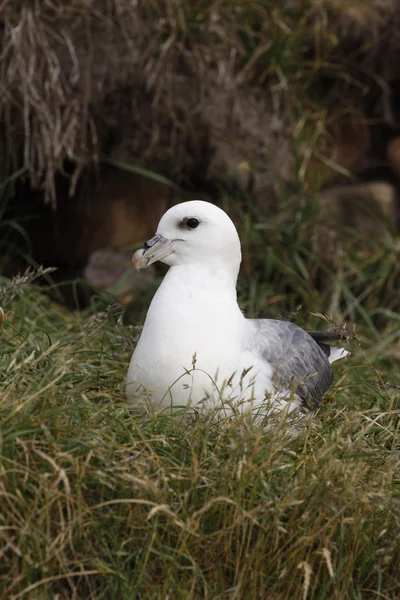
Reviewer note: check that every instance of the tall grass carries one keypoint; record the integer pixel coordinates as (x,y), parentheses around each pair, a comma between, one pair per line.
(99,503)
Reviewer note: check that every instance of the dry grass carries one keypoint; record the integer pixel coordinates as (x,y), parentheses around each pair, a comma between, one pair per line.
(100,504)
(72,72)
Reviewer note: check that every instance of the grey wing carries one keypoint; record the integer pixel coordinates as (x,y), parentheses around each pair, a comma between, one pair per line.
(298,360)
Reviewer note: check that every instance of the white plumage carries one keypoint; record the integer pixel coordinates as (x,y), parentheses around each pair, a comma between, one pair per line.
(196,347)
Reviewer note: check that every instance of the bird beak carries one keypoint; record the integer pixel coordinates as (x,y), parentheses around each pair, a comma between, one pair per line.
(155,249)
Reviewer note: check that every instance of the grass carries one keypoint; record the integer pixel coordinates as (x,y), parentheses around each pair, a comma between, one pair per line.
(98,503)
(58,104)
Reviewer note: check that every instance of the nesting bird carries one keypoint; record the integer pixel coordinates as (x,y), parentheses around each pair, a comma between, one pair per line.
(197,349)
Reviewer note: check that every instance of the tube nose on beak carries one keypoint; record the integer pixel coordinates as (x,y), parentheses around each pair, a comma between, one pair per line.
(157,248)
(150,243)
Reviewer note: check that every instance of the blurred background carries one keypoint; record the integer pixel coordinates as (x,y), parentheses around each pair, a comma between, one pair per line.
(285,113)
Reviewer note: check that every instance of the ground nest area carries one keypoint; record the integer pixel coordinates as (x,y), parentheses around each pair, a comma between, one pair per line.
(286,115)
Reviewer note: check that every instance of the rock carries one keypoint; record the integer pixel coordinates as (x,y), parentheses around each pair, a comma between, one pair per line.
(113,272)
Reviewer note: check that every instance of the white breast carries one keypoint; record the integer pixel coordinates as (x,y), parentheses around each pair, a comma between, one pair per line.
(191,344)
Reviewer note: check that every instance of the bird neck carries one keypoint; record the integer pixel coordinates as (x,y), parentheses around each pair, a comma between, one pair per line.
(207,278)
(190,293)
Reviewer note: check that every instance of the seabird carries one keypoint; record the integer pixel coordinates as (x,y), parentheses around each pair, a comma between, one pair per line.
(196,347)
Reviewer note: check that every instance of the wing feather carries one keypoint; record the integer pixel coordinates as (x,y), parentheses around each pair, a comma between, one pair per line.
(298,360)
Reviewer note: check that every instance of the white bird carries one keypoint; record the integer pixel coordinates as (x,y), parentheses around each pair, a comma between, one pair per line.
(196,348)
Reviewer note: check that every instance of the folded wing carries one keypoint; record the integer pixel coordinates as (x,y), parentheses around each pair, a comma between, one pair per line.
(300,362)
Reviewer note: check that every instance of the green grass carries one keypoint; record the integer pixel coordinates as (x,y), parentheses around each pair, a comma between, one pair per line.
(99,503)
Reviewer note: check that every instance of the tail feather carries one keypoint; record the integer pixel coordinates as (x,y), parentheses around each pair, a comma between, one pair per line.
(332,352)
(337,353)
(327,336)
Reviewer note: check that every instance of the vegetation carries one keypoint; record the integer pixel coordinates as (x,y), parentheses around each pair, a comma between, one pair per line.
(100,503)
(72,71)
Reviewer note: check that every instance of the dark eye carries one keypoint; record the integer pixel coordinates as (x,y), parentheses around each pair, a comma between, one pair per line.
(192,223)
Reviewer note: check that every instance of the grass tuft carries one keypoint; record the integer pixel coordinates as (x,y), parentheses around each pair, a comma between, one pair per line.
(100,503)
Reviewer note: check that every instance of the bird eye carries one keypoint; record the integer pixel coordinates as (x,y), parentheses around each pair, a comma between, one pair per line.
(192,223)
